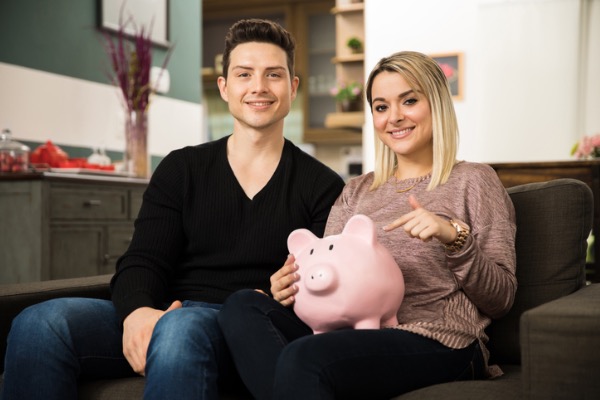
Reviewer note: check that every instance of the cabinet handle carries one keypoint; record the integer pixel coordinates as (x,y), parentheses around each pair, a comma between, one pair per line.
(92,203)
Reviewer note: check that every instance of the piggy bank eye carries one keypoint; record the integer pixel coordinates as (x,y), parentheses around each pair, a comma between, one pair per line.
(312,251)
(330,247)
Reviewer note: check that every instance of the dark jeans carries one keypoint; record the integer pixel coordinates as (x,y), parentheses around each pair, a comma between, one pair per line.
(278,357)
(53,344)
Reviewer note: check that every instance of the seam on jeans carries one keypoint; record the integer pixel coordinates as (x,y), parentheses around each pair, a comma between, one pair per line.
(470,366)
(282,339)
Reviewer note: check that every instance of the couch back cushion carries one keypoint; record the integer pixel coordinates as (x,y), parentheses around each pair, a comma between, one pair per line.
(554,220)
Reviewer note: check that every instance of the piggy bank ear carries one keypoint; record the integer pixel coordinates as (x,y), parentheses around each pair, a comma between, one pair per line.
(361,226)
(299,240)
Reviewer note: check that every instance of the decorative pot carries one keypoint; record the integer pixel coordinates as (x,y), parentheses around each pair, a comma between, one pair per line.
(135,157)
(349,105)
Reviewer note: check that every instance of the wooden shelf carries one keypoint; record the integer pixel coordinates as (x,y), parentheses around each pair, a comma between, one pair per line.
(351,58)
(349,66)
(349,8)
(328,136)
(345,120)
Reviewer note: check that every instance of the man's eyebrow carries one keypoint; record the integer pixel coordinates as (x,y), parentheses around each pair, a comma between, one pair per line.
(252,68)
(241,67)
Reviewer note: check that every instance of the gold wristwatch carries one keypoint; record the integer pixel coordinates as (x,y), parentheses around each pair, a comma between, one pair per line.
(462,233)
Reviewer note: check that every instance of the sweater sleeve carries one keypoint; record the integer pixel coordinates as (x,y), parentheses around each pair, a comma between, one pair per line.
(327,189)
(142,273)
(485,267)
(318,187)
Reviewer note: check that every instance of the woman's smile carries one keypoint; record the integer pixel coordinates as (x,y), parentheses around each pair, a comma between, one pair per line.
(401,133)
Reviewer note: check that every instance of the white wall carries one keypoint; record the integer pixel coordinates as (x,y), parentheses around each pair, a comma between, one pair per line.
(531,69)
(39,105)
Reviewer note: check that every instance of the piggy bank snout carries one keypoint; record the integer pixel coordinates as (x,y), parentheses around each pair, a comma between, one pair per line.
(320,278)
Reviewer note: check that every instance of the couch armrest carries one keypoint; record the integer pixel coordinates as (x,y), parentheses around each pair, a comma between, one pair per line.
(560,347)
(17,296)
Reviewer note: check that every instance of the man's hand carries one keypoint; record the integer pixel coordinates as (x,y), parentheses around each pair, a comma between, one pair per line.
(282,282)
(137,331)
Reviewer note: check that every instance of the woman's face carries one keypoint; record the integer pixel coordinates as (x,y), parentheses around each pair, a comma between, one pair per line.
(402,117)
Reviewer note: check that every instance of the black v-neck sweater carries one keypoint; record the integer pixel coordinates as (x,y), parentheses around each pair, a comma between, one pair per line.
(199,237)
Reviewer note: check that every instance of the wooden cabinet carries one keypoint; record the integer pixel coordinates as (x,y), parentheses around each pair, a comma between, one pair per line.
(63,226)
(349,22)
(512,174)
(318,38)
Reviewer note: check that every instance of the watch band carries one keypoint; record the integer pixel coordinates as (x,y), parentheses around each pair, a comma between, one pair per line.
(462,233)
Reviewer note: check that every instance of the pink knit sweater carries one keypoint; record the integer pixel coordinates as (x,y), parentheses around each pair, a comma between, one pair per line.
(449,297)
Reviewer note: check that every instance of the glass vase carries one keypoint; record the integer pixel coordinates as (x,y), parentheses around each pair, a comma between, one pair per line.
(136,144)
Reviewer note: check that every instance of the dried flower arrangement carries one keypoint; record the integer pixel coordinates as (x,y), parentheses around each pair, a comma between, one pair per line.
(131,59)
(130,56)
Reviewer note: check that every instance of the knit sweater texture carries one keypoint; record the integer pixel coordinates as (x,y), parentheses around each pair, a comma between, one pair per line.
(199,237)
(449,297)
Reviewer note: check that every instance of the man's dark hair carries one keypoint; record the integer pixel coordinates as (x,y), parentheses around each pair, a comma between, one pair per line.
(259,30)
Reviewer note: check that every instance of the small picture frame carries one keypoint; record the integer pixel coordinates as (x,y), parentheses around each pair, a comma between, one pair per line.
(152,14)
(452,65)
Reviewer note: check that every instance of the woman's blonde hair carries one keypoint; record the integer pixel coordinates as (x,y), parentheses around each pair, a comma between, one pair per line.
(425,76)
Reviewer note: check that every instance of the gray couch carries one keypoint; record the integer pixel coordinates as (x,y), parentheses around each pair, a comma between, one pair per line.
(548,345)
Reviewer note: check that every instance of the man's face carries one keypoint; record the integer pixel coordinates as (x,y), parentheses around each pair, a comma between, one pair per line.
(258,88)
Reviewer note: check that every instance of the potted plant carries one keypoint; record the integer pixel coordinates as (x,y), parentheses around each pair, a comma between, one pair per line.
(587,148)
(355,44)
(347,95)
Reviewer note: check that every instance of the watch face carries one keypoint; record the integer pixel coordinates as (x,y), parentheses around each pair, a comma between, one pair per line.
(460,226)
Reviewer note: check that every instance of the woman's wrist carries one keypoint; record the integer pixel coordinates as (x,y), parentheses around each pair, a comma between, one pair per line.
(462,234)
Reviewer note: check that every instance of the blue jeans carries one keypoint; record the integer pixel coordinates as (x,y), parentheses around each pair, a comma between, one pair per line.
(278,357)
(54,344)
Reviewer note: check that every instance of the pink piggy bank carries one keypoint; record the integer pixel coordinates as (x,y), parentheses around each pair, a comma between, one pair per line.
(346,280)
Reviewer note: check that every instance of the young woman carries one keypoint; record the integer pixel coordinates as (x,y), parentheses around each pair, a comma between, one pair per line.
(450,225)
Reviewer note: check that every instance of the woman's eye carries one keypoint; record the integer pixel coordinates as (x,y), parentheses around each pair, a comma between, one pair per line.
(380,108)
(410,101)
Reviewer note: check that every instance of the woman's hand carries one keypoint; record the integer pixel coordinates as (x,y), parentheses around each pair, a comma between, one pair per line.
(423,224)
(283,286)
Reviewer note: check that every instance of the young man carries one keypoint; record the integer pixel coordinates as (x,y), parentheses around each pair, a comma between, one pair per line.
(215,218)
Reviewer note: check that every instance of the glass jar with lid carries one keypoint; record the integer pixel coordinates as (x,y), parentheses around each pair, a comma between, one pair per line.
(14,156)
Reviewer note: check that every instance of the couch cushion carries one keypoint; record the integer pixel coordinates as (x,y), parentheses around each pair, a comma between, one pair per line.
(554,220)
(560,347)
(112,389)
(508,386)
(127,389)
(17,296)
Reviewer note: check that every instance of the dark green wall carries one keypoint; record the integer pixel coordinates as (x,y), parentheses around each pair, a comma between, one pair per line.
(60,36)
